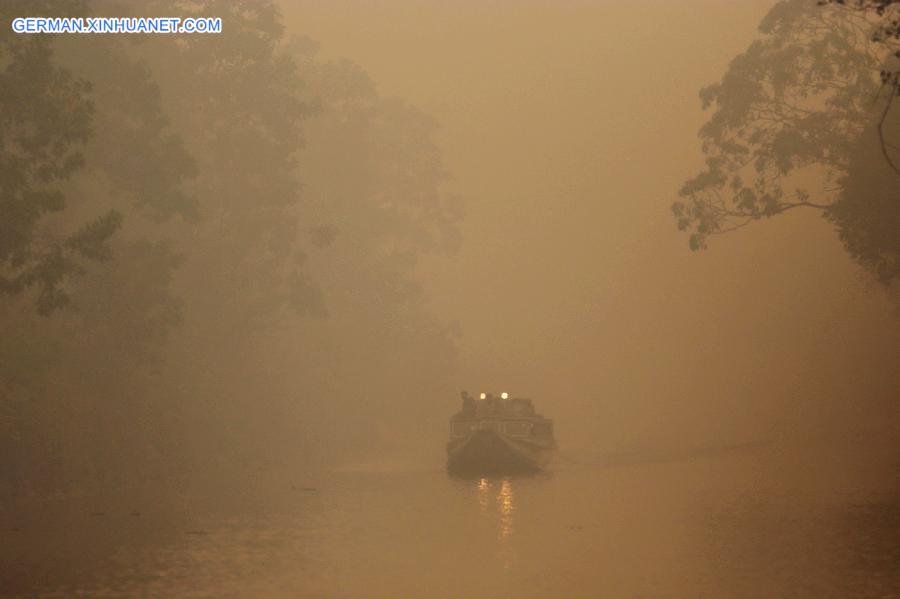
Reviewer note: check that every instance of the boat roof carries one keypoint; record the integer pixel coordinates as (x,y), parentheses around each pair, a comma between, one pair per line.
(490,407)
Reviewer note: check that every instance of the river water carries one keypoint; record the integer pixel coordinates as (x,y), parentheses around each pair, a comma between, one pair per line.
(710,527)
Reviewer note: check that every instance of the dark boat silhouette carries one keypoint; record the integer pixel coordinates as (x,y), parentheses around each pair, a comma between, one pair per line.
(498,435)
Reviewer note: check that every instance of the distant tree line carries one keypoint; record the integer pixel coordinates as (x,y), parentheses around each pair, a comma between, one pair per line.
(206,243)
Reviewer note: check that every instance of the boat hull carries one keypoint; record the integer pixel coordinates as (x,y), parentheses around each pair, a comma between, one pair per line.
(491,452)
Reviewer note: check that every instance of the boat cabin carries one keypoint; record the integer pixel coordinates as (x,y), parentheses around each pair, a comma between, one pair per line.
(512,416)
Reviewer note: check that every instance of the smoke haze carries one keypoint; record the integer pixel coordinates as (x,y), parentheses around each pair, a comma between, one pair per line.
(245,276)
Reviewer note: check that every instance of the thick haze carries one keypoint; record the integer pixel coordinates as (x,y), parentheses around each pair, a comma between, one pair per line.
(292,244)
(244,277)
(568,127)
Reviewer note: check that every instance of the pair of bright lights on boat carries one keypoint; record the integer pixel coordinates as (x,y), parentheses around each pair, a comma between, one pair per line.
(503,395)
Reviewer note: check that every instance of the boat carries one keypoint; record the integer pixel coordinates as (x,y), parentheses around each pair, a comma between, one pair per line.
(498,435)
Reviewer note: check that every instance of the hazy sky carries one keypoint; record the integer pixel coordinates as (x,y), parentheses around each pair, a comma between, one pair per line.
(568,127)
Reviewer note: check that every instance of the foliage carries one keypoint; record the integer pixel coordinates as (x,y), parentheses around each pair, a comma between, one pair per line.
(793,107)
(269,209)
(45,121)
(885,31)
(376,186)
(866,212)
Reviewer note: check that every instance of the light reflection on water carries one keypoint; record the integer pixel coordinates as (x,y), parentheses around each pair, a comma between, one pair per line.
(483,488)
(502,500)
(499,507)
(506,508)
(661,531)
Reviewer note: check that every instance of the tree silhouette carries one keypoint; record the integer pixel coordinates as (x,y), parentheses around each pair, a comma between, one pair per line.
(45,120)
(795,106)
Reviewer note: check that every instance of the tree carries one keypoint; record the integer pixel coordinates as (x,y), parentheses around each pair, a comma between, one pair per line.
(374,177)
(79,388)
(205,339)
(45,121)
(234,98)
(794,109)
(886,31)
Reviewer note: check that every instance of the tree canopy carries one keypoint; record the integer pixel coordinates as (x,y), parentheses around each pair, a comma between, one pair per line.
(45,121)
(798,108)
(197,234)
